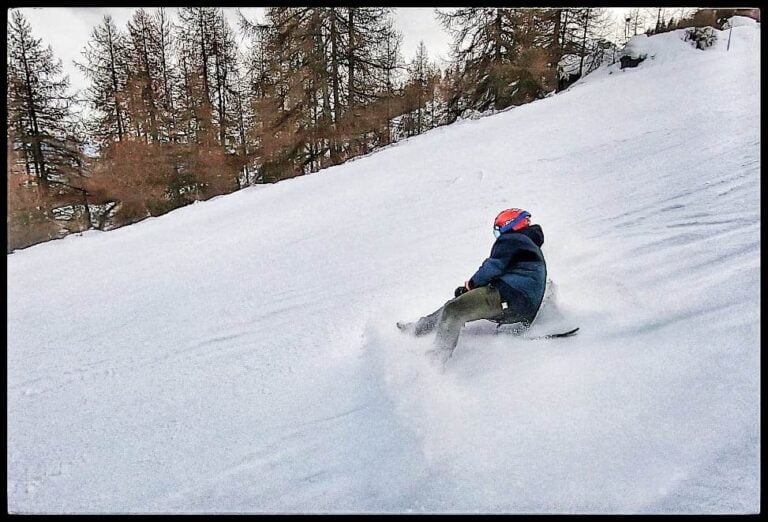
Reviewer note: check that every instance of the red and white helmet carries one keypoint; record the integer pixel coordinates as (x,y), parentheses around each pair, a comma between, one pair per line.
(511,219)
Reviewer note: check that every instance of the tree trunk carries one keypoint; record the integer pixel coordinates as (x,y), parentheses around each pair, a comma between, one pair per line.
(556,29)
(243,143)
(220,79)
(497,37)
(335,153)
(149,87)
(166,82)
(584,42)
(556,50)
(115,87)
(564,29)
(351,57)
(204,55)
(37,152)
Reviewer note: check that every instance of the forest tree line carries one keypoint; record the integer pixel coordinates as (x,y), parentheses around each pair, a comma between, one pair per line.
(176,111)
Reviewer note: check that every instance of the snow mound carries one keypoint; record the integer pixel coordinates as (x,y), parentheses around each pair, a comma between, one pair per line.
(740,21)
(679,48)
(660,48)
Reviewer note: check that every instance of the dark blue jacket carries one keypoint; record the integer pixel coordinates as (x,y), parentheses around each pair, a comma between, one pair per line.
(516,267)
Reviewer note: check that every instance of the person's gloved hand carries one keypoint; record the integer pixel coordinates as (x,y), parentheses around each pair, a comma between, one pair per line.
(463,289)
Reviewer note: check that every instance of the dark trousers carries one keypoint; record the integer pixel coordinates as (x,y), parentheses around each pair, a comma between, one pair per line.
(479,303)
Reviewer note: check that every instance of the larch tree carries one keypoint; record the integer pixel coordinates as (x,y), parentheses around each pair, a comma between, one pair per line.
(208,53)
(45,162)
(145,79)
(40,122)
(323,85)
(257,79)
(392,65)
(368,41)
(419,94)
(106,66)
(502,56)
(168,90)
(209,69)
(481,39)
(194,35)
(593,24)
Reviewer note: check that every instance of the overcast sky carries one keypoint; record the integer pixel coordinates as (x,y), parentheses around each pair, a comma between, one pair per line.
(67,29)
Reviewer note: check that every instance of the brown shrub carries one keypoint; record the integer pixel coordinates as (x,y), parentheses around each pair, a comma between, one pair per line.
(30,219)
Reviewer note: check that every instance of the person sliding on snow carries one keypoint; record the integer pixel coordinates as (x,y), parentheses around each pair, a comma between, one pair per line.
(507,288)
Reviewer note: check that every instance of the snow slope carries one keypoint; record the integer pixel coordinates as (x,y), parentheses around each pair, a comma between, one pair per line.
(240,355)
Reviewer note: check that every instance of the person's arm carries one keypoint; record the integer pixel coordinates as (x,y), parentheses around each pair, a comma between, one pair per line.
(493,266)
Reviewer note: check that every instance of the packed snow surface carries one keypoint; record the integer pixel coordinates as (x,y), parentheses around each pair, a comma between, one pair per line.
(240,355)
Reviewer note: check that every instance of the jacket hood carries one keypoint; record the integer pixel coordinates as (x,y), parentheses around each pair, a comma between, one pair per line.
(534,233)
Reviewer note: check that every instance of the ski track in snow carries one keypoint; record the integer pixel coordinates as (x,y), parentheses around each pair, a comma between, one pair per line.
(239,355)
